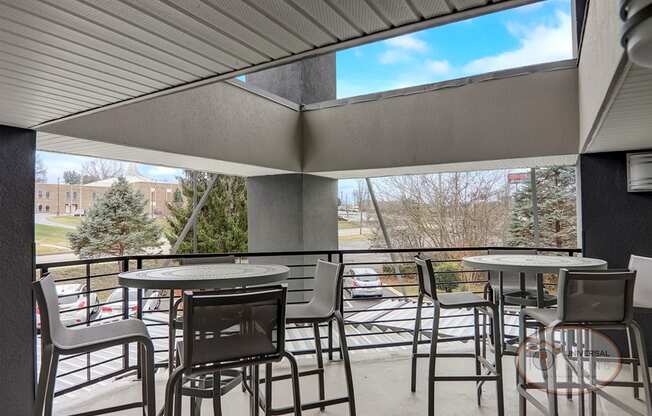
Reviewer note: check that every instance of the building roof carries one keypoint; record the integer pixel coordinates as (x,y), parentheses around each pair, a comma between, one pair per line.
(132,176)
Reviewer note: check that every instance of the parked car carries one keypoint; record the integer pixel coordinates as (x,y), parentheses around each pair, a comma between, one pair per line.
(72,304)
(79,212)
(364,282)
(113,310)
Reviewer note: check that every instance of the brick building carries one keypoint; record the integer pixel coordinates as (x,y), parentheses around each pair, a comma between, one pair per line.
(66,199)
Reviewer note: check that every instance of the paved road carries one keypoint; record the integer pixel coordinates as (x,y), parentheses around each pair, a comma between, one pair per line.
(45,220)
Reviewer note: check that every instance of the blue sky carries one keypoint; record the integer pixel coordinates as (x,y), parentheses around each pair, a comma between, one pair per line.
(540,32)
(537,33)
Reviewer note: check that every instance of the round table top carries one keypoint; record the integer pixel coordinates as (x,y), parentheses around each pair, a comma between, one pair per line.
(205,276)
(532,263)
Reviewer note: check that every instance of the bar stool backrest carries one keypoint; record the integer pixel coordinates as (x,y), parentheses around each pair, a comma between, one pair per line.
(239,325)
(189,261)
(327,296)
(643,289)
(596,296)
(426,277)
(52,330)
(512,280)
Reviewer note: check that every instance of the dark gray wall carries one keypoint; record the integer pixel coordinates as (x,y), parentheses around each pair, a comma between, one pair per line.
(304,82)
(17,148)
(615,223)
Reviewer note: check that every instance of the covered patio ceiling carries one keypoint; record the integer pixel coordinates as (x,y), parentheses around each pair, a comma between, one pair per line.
(60,58)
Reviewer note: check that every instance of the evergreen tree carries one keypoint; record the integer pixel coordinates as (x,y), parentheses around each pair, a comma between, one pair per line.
(556,208)
(222,222)
(116,225)
(72,177)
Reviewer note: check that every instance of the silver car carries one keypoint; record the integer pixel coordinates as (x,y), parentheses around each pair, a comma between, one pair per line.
(112,311)
(364,282)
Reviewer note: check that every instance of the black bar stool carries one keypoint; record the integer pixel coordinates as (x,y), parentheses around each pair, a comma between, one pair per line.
(458,300)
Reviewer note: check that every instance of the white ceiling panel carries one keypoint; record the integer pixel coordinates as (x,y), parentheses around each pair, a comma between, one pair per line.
(65,57)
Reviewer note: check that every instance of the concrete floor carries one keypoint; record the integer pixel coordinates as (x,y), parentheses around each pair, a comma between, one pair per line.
(382,387)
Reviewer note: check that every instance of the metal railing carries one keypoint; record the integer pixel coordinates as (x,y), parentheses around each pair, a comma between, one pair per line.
(371,322)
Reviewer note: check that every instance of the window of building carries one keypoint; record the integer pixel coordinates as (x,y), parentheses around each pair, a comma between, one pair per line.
(47,208)
(74,195)
(40,194)
(47,194)
(177,196)
(67,195)
(94,196)
(40,208)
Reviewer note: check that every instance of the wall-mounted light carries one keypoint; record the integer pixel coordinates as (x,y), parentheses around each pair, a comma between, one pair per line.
(639,172)
(637,30)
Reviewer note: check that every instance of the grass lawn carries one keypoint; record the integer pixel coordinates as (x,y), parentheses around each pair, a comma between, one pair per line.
(66,220)
(343,225)
(48,234)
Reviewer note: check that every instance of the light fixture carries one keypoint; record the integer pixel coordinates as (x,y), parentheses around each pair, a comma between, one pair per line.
(639,172)
(637,30)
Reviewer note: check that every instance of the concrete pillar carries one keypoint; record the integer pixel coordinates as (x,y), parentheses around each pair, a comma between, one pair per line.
(17,353)
(304,82)
(294,212)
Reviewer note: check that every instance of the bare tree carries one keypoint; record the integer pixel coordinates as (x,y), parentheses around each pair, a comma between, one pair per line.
(40,171)
(98,169)
(458,209)
(361,197)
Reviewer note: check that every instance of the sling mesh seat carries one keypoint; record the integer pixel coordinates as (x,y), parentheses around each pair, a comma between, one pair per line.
(588,301)
(61,341)
(462,300)
(324,307)
(230,329)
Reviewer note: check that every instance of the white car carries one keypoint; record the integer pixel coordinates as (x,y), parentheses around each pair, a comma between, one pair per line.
(113,311)
(364,282)
(72,304)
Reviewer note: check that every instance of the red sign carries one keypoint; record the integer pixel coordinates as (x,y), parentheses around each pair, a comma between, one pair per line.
(518,177)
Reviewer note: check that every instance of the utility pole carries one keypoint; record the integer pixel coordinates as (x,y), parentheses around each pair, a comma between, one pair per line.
(194,205)
(535,208)
(58,196)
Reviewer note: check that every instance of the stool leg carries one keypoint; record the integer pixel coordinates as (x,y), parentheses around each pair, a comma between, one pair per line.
(217,394)
(580,375)
(592,370)
(148,378)
(47,380)
(522,363)
(476,344)
(568,336)
(551,371)
(255,391)
(171,392)
(432,360)
(268,388)
(498,354)
(347,362)
(320,363)
(642,357)
(634,364)
(415,343)
(195,406)
(296,392)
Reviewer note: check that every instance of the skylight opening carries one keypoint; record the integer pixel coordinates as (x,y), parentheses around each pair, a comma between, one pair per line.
(528,35)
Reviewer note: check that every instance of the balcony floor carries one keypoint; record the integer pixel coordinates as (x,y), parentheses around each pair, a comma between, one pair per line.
(382,383)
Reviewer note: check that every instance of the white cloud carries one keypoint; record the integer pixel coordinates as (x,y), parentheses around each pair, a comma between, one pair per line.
(441,67)
(408,42)
(402,48)
(542,43)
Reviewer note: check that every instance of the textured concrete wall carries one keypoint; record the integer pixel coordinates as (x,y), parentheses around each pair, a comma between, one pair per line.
(292,212)
(599,60)
(304,82)
(531,115)
(219,121)
(17,148)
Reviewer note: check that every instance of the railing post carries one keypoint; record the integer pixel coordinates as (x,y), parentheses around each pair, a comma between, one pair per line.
(139,315)
(88,317)
(125,314)
(340,256)
(330,325)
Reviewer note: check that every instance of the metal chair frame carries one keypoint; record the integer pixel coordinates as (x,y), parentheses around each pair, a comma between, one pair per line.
(428,287)
(581,332)
(57,341)
(335,314)
(186,370)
